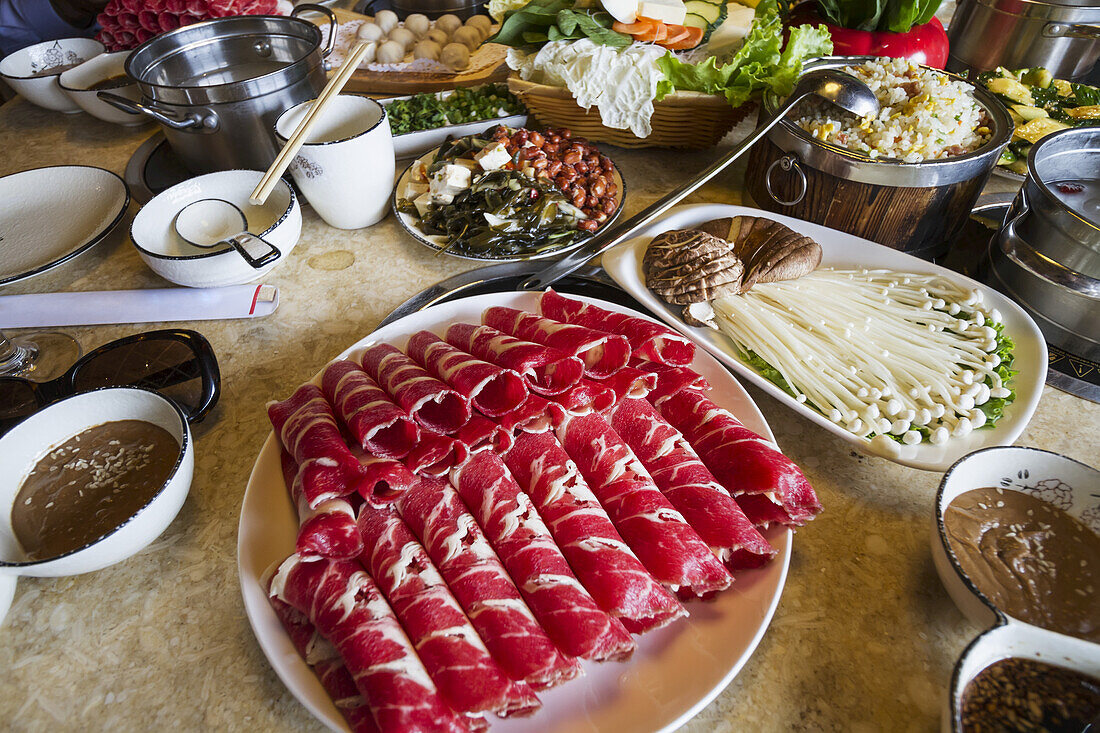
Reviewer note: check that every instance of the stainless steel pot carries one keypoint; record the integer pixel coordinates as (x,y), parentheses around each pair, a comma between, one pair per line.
(217,87)
(1064,37)
(1047,254)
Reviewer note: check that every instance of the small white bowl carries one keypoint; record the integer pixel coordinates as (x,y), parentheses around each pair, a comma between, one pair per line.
(278,221)
(19,70)
(1038,473)
(1016,640)
(77,84)
(28,441)
(1012,468)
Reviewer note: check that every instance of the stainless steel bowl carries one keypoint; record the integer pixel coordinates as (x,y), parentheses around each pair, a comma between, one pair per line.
(1064,37)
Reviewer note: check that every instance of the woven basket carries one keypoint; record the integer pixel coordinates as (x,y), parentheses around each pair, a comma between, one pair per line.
(680,120)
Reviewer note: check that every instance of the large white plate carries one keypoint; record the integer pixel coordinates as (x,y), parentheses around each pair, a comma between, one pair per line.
(52,215)
(675,672)
(624,264)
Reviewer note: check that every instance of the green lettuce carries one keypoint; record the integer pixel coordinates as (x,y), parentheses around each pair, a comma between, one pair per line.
(762,63)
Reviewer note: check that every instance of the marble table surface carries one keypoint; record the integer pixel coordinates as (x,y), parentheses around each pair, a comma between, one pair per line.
(864,638)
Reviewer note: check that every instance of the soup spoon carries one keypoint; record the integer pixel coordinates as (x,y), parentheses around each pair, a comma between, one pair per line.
(209,223)
(843,90)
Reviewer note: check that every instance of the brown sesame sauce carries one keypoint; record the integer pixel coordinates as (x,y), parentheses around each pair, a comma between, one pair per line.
(89,485)
(1019,694)
(1030,558)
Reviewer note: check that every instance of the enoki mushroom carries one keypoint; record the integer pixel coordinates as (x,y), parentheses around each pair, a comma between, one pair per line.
(877,352)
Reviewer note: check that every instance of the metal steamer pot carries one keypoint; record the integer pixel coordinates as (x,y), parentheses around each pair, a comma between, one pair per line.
(1047,254)
(1064,37)
(217,87)
(913,207)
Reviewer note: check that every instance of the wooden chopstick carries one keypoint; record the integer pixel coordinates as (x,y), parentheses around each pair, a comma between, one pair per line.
(298,137)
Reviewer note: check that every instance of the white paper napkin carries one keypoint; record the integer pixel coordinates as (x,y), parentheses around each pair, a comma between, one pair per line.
(137,306)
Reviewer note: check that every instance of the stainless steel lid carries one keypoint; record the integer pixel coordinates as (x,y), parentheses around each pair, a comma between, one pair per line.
(1070,11)
(843,163)
(225,60)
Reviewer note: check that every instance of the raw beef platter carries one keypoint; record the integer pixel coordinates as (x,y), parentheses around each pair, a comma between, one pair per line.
(489,505)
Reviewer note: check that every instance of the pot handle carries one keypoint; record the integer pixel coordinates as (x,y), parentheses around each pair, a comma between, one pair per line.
(333,23)
(245,241)
(204,123)
(787,163)
(1071,30)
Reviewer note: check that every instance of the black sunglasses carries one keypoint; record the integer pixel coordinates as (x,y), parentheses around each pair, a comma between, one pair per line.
(178,364)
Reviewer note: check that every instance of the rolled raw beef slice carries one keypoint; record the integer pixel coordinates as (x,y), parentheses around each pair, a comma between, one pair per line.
(751,468)
(587,395)
(306,427)
(629,382)
(603,353)
(451,650)
(381,427)
(436,454)
(547,371)
(536,415)
(602,561)
(454,542)
(326,663)
(525,546)
(481,433)
(493,390)
(671,380)
(692,489)
(659,535)
(327,531)
(429,401)
(648,339)
(342,602)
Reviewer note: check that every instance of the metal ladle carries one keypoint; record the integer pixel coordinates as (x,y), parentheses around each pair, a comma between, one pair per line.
(843,90)
(208,223)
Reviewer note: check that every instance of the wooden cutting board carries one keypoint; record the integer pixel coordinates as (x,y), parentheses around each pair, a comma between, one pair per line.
(486,65)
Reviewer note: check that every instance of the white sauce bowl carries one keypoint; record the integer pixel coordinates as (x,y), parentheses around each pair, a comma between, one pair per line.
(25,444)
(278,221)
(77,82)
(18,70)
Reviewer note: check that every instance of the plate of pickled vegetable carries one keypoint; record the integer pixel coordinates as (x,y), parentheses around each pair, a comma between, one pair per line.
(509,194)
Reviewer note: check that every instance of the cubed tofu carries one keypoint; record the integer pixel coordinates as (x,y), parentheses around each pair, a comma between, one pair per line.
(414,190)
(423,202)
(493,157)
(449,180)
(672,12)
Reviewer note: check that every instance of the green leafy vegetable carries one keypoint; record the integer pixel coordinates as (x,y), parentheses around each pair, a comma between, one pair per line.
(540,21)
(465,104)
(761,62)
(898,16)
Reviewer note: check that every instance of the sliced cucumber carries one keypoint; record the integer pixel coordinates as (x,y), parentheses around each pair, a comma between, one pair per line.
(696,21)
(707,11)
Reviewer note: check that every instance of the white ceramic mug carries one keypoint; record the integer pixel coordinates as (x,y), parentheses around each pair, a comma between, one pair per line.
(345,168)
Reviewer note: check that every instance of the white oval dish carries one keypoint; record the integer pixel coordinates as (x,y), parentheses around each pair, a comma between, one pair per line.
(624,264)
(1038,473)
(278,221)
(18,69)
(77,84)
(27,442)
(410,144)
(52,215)
(675,672)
